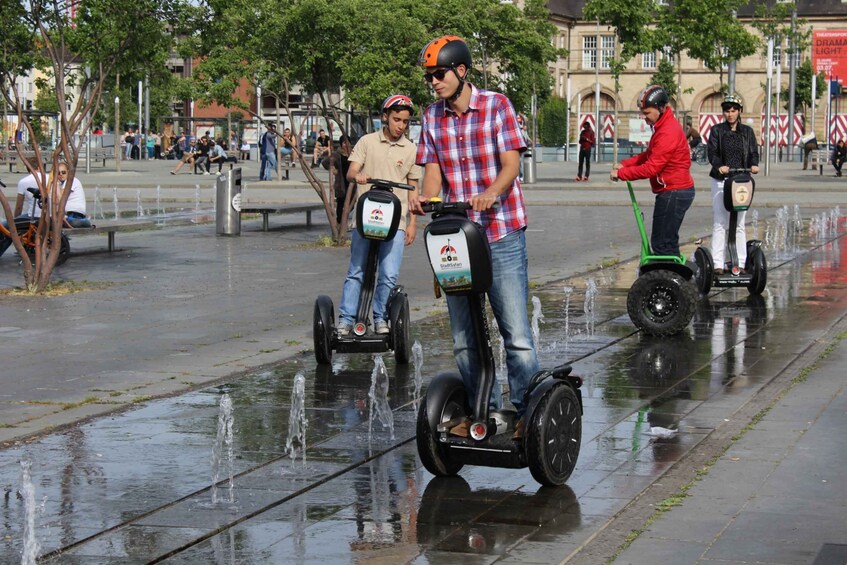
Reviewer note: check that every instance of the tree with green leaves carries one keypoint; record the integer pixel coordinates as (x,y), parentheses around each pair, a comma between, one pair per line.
(358,52)
(553,122)
(78,54)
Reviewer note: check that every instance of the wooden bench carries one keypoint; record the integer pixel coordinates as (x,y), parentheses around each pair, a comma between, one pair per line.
(265,209)
(110,228)
(818,158)
(10,158)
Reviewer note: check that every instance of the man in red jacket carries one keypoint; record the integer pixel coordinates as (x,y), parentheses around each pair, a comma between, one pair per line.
(667,163)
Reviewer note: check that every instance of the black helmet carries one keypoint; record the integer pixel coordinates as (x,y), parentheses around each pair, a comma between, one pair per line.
(654,96)
(730,101)
(446,51)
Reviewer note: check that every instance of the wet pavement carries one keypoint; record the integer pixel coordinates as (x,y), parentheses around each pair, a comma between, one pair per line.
(137,486)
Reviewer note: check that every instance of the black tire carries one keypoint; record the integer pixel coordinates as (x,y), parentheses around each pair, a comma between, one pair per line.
(400,333)
(705,269)
(553,436)
(757,266)
(64,251)
(661,302)
(434,456)
(322,329)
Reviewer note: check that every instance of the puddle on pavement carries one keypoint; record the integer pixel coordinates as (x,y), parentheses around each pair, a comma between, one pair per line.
(137,484)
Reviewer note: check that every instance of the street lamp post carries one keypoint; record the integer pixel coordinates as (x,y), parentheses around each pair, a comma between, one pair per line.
(792,64)
(117,133)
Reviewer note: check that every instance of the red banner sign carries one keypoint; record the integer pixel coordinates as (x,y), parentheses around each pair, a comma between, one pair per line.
(829,53)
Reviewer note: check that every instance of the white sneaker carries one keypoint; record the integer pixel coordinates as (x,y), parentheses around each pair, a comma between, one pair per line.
(381,327)
(343,329)
(206,172)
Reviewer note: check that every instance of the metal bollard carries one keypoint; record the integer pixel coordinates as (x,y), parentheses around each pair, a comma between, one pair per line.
(528,167)
(228,203)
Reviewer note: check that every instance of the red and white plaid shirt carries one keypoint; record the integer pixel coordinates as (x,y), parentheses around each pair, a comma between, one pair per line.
(467,148)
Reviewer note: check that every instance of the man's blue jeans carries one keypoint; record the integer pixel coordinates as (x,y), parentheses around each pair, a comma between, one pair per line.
(509,295)
(268,166)
(671,207)
(390,259)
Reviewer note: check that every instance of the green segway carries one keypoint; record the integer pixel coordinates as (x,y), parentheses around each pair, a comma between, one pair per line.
(662,299)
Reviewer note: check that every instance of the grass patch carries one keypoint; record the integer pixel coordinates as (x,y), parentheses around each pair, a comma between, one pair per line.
(59,288)
(292,342)
(609,262)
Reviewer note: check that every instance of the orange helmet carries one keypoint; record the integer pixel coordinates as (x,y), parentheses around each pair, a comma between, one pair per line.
(445,51)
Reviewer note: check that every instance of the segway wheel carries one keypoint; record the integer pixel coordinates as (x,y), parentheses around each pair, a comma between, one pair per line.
(705,269)
(553,436)
(400,332)
(757,266)
(435,457)
(322,329)
(661,302)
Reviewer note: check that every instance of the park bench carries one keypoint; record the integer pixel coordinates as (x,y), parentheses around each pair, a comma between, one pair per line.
(265,209)
(101,154)
(110,228)
(10,158)
(818,158)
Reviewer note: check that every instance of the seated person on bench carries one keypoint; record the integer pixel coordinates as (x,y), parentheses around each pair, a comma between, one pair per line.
(75,207)
(23,208)
(188,157)
(217,155)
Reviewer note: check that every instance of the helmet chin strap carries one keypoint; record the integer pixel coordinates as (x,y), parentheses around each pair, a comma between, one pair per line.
(455,95)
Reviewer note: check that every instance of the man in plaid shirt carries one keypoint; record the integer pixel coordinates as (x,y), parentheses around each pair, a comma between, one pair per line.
(470,149)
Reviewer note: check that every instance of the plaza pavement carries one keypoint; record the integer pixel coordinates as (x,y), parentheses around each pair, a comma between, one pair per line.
(183,309)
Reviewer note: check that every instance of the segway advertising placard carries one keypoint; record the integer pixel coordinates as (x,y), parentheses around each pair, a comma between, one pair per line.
(377,218)
(738,193)
(448,254)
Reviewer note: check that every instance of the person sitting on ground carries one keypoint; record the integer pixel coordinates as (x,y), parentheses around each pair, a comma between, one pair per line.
(322,147)
(839,154)
(732,145)
(189,157)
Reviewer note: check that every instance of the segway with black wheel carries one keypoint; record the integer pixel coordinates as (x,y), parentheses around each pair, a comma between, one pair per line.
(461,260)
(377,218)
(738,191)
(662,299)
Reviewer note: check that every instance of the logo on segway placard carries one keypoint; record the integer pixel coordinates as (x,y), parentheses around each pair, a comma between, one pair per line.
(449,258)
(377,219)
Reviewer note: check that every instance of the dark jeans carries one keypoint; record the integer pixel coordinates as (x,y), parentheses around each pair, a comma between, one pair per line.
(837,163)
(671,206)
(584,156)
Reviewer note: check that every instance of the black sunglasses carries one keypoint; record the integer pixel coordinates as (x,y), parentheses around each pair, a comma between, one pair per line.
(439,74)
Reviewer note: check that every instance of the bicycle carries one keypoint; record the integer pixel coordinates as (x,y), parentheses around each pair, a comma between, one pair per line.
(27,228)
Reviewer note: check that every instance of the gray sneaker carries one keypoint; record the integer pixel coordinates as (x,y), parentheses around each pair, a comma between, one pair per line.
(344,329)
(381,327)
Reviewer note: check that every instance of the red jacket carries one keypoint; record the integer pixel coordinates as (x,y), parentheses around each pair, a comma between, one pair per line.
(667,160)
(586,139)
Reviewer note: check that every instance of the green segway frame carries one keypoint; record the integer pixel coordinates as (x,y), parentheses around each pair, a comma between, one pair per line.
(662,299)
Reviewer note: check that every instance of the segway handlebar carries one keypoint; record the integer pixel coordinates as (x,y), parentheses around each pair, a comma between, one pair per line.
(739,171)
(437,205)
(388,184)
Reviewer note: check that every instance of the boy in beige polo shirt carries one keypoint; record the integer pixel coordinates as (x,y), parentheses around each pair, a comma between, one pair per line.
(385,154)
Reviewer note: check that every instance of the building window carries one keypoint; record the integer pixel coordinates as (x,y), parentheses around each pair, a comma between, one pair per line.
(589,51)
(777,55)
(648,60)
(607,51)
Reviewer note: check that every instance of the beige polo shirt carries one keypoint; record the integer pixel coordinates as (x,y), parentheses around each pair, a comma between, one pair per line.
(383,159)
